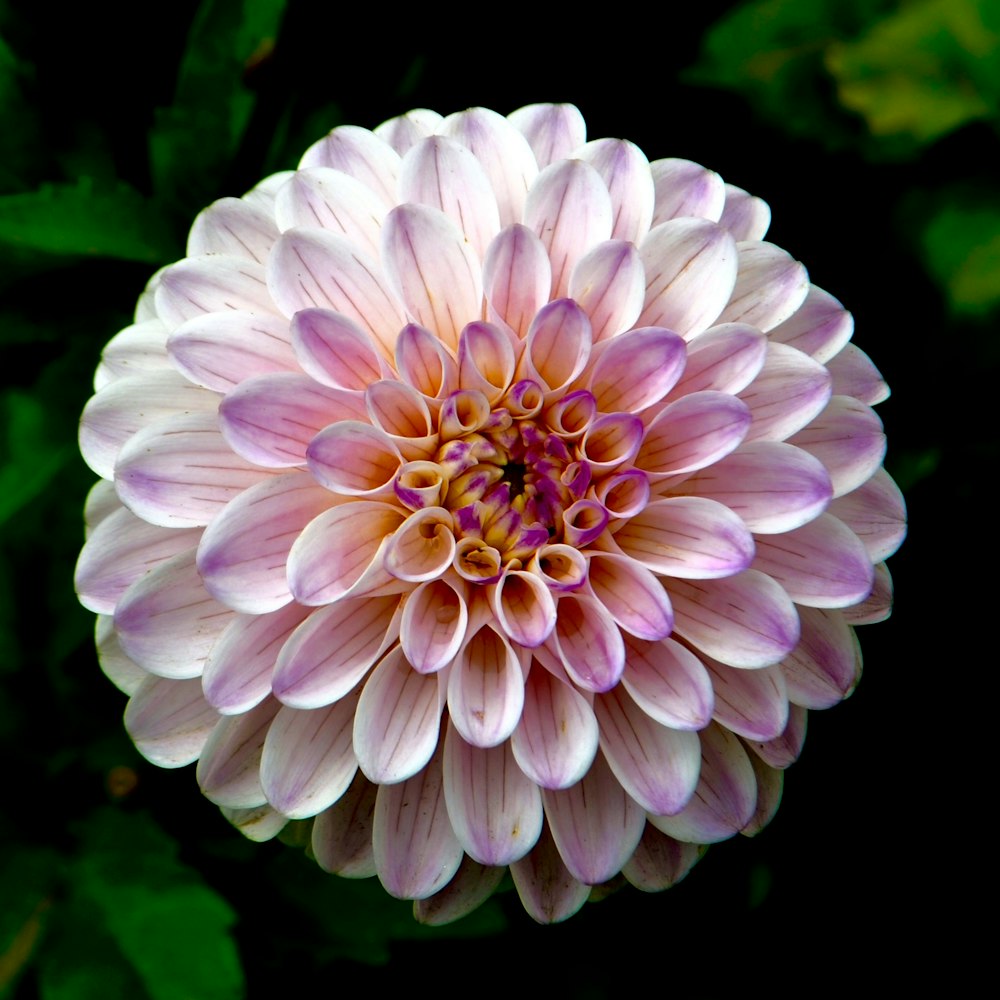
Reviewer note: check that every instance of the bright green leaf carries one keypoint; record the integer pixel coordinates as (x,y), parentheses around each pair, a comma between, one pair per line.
(173,929)
(82,220)
(916,74)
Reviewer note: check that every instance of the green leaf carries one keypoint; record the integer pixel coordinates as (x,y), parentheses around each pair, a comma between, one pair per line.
(193,141)
(961,246)
(83,220)
(918,74)
(173,930)
(30,459)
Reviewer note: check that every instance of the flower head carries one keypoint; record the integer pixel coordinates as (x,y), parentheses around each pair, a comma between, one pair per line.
(491,497)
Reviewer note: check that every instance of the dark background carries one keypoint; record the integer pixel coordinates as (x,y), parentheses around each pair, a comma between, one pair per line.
(870,128)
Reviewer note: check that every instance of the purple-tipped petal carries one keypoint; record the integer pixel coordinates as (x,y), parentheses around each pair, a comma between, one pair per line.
(404,131)
(333,649)
(820,327)
(360,154)
(472,885)
(397,721)
(770,785)
(544,884)
(822,564)
(495,811)
(215,283)
(432,269)
(524,607)
(745,216)
(308,760)
(169,720)
(631,594)
(233,227)
(587,643)
(416,851)
(352,458)
(878,606)
(726,796)
(689,537)
(690,275)
(637,369)
(342,834)
(855,375)
(552,130)
(657,766)
(669,683)
(684,188)
(433,625)
(751,703)
(517,277)
(784,749)
(556,738)
(825,666)
(625,170)
(335,351)
(743,621)
(876,513)
(609,284)
(558,347)
(659,861)
(595,824)
(770,286)
(726,358)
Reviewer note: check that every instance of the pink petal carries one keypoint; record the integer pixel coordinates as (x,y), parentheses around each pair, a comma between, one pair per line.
(745,216)
(631,595)
(855,375)
(116,666)
(424,363)
(486,360)
(595,824)
(238,669)
(333,649)
(310,268)
(790,391)
(612,440)
(503,153)
(688,537)
(444,175)
(335,351)
(404,131)
(128,405)
(822,564)
(669,683)
(659,861)
(433,625)
(820,327)
(101,503)
(726,358)
(169,720)
(423,547)
(825,667)
(609,284)
(167,622)
(770,286)
(220,350)
(141,347)
(847,437)
(360,154)
(770,785)
(235,227)
(556,738)
(308,761)
(624,494)
(271,419)
(547,890)
(553,130)
(120,550)
(486,689)
(342,835)
(784,750)
(569,208)
(353,458)
(588,643)
(657,766)
(558,347)
(751,703)
(878,606)
(402,412)
(726,796)
(321,198)
(876,513)
(524,607)
(397,720)
(637,369)
(495,811)
(691,433)
(517,278)
(683,188)
(416,850)
(244,551)
(229,768)
(340,553)
(774,487)
(743,621)
(215,283)
(690,275)
(259,823)
(472,885)
(432,270)
(625,170)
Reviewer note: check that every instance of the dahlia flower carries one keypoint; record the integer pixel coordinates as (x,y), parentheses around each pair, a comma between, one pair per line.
(491,498)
